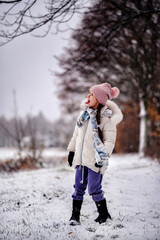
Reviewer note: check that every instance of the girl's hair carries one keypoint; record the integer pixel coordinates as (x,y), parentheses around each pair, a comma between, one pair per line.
(100,106)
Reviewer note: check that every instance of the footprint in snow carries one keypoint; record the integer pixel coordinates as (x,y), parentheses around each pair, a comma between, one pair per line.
(114,236)
(98,237)
(90,229)
(118,226)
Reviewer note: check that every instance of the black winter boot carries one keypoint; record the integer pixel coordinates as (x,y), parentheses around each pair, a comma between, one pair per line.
(103,211)
(75,218)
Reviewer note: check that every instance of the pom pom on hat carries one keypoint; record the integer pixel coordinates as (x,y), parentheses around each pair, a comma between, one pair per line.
(104,92)
(115,92)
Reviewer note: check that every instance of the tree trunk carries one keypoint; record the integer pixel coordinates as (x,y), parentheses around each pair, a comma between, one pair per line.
(143,129)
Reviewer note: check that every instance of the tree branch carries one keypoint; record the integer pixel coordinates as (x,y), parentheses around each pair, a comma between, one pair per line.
(10,2)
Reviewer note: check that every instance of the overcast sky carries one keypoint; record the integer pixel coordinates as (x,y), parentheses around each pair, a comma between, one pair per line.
(24,67)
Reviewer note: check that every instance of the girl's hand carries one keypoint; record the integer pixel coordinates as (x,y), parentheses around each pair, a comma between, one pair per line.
(70,158)
(96,165)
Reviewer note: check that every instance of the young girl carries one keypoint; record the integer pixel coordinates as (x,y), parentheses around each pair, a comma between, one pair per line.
(91,145)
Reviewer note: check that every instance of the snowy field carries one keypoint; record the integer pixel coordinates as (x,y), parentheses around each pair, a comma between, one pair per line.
(37,204)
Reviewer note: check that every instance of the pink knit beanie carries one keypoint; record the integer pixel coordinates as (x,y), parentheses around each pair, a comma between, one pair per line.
(104,92)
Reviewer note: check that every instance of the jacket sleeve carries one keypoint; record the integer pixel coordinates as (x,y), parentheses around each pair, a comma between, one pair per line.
(72,143)
(109,136)
(109,128)
(117,114)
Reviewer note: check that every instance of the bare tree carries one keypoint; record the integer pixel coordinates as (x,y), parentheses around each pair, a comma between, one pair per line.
(118,42)
(19,17)
(29,149)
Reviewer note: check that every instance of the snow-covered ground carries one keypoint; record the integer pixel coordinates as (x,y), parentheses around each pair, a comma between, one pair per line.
(37,204)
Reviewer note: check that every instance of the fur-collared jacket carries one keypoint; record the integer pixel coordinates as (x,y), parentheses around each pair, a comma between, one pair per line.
(82,141)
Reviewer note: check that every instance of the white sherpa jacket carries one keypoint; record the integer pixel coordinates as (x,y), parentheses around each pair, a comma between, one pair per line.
(82,141)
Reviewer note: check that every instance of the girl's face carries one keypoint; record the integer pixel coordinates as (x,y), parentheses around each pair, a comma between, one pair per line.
(92,101)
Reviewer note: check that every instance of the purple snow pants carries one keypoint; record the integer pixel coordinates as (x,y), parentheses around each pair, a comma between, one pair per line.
(85,176)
